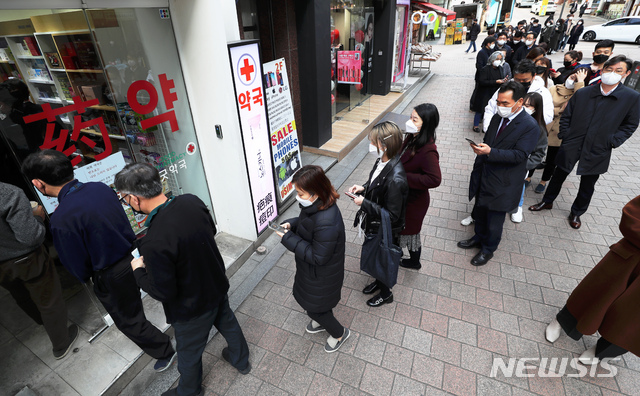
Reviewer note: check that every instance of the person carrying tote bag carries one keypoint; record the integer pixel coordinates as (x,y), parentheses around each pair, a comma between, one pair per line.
(380,258)
(386,189)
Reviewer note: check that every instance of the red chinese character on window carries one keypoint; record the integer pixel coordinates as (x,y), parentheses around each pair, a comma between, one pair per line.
(169,97)
(245,100)
(58,143)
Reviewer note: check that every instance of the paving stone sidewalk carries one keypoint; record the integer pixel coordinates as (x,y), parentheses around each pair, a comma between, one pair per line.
(449,320)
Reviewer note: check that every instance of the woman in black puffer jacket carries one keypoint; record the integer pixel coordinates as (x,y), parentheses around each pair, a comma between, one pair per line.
(317,238)
(387,188)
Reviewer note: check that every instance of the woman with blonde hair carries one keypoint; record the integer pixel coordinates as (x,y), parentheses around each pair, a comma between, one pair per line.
(386,189)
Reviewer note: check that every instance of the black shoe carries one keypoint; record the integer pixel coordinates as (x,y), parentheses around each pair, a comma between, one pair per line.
(163,364)
(73,336)
(408,263)
(574,221)
(225,356)
(469,244)
(378,300)
(481,259)
(371,288)
(541,206)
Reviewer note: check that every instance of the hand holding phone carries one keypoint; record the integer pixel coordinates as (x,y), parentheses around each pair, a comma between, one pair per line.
(471,142)
(277,228)
(351,195)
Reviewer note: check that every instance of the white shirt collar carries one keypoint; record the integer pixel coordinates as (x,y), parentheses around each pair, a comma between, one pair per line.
(608,93)
(514,115)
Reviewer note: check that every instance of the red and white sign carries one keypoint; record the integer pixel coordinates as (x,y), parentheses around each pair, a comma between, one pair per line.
(349,67)
(247,78)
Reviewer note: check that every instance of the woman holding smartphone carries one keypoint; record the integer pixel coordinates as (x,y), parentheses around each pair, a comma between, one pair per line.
(420,159)
(317,239)
(386,189)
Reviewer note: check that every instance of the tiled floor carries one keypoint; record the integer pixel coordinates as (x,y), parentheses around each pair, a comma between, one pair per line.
(449,320)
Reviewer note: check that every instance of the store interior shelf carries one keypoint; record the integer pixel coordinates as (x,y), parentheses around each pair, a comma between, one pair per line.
(29,57)
(58,70)
(83,71)
(103,107)
(8,61)
(50,100)
(36,81)
(92,132)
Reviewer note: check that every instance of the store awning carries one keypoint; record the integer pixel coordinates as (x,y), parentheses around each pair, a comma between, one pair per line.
(423,5)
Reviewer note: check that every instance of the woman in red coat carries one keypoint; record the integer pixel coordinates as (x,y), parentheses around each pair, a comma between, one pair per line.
(421,163)
(607,299)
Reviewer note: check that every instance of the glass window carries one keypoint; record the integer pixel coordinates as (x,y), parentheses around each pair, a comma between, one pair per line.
(633,21)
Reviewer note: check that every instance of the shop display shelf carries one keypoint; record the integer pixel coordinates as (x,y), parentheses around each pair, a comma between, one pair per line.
(58,70)
(27,57)
(10,62)
(51,100)
(83,71)
(92,132)
(36,81)
(103,107)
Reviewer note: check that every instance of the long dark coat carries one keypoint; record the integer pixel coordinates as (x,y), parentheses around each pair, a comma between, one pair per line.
(497,179)
(474,32)
(574,34)
(486,86)
(607,298)
(481,60)
(593,124)
(317,239)
(423,172)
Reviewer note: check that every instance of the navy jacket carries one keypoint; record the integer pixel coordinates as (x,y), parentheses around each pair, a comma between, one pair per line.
(90,228)
(593,124)
(317,238)
(497,179)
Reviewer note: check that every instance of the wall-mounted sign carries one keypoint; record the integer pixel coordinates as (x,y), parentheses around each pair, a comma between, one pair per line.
(349,67)
(285,150)
(423,18)
(247,80)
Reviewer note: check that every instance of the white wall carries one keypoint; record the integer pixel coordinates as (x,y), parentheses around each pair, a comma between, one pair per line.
(202,29)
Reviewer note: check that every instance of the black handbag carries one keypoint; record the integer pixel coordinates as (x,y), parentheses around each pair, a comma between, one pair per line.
(380,258)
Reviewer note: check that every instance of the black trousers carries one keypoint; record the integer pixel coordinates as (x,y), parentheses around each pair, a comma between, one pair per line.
(329,322)
(191,339)
(604,348)
(33,281)
(117,290)
(550,165)
(488,227)
(585,191)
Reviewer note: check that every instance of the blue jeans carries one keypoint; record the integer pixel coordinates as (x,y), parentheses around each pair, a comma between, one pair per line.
(472,42)
(191,339)
(477,118)
(522,196)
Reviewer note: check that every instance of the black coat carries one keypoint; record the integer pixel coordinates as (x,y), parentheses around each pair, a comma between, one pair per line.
(564,73)
(486,86)
(497,179)
(593,124)
(389,191)
(574,34)
(481,60)
(521,53)
(474,32)
(317,239)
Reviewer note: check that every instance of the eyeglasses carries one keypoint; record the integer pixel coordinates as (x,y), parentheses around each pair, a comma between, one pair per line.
(124,201)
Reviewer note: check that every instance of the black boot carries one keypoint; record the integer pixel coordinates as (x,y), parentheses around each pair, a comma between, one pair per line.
(414,261)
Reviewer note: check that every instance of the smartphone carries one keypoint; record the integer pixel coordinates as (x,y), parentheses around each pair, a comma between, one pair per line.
(552,70)
(351,195)
(471,141)
(276,227)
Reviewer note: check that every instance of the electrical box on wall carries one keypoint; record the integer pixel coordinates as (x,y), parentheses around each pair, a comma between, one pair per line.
(219,131)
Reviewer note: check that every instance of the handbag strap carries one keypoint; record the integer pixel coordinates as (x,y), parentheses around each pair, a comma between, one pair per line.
(385,224)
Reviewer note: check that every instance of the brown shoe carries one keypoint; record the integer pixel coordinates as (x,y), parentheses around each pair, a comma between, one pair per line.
(541,206)
(574,221)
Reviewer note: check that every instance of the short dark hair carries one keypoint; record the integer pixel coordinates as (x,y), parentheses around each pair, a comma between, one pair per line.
(475,19)
(532,33)
(617,59)
(139,179)
(488,40)
(518,34)
(517,89)
(535,20)
(50,166)
(525,66)
(606,44)
(502,33)
(312,179)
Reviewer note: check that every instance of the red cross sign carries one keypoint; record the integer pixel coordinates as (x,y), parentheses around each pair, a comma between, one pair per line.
(246,69)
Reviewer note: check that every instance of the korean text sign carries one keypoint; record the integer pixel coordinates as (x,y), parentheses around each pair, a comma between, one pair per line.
(247,78)
(285,150)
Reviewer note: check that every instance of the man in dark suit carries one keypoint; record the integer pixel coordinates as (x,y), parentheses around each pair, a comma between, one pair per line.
(597,119)
(499,170)
(529,44)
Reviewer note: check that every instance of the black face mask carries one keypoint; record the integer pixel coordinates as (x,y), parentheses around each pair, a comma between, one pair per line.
(568,64)
(600,58)
(540,70)
(526,85)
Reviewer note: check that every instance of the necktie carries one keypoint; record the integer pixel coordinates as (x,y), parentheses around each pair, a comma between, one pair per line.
(505,121)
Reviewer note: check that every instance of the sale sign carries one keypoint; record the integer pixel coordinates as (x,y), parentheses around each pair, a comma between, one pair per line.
(285,150)
(247,81)
(349,67)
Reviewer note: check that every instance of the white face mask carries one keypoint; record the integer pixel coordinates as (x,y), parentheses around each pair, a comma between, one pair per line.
(569,84)
(504,112)
(528,110)
(501,42)
(497,63)
(610,78)
(374,150)
(410,127)
(304,202)
(492,45)
(516,41)
(528,42)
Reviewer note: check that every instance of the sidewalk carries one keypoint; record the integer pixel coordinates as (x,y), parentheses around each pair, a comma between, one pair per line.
(449,320)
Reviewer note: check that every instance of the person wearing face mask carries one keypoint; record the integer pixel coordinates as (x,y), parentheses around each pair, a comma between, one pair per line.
(94,240)
(561,93)
(597,119)
(543,68)
(498,171)
(574,34)
(522,52)
(420,160)
(571,60)
(545,35)
(556,36)
(568,25)
(488,46)
(515,43)
(317,239)
(489,80)
(387,189)
(501,45)
(601,54)
(535,27)
(583,8)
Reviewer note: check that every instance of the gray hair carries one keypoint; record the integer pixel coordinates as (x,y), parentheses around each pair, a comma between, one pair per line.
(494,56)
(142,180)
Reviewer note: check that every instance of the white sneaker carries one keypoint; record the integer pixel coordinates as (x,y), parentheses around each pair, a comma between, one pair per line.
(466,221)
(552,333)
(588,357)
(517,217)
